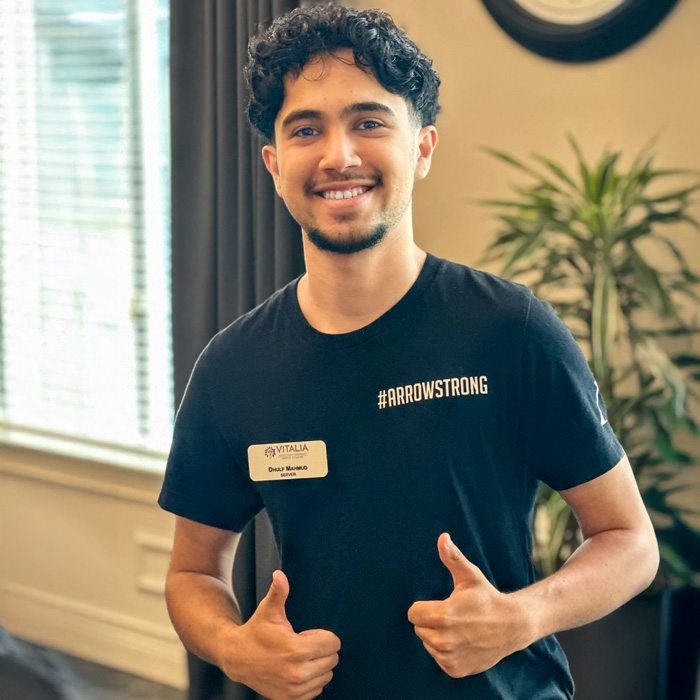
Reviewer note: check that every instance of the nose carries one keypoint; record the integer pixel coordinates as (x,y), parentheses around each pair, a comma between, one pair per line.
(339,151)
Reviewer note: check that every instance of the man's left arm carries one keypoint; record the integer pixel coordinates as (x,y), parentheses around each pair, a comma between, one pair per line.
(617,560)
(478,625)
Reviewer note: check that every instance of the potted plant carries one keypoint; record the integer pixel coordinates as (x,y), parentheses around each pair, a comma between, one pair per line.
(595,245)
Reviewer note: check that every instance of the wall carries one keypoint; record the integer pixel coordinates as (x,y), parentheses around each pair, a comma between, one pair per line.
(83,554)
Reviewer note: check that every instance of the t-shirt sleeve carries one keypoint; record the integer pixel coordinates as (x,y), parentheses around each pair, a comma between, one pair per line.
(565,434)
(202,480)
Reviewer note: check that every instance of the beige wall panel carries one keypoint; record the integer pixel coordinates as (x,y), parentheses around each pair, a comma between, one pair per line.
(84,550)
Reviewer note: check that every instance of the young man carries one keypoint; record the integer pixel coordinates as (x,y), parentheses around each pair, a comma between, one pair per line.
(381,406)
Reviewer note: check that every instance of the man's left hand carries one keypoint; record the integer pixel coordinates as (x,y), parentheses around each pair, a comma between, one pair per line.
(475,627)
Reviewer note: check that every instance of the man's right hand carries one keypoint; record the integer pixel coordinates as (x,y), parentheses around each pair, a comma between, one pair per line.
(273,660)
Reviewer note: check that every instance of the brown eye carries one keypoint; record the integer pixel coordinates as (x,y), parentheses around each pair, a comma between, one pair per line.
(303,129)
(369,121)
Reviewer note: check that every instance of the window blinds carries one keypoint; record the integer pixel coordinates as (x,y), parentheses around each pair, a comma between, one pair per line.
(85,350)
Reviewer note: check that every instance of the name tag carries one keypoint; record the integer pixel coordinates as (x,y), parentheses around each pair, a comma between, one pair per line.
(287,460)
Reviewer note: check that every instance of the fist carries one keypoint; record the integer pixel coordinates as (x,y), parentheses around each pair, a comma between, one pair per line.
(275,661)
(475,627)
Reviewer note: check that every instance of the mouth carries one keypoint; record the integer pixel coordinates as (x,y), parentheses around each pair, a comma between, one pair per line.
(351,198)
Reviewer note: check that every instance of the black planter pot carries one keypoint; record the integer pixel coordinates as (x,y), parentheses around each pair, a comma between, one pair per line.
(618,657)
(682,645)
(646,650)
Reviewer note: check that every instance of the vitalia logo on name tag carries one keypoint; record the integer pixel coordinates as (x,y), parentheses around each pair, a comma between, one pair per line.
(277,461)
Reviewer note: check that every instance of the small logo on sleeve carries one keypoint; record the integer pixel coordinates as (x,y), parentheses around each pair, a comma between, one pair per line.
(433,389)
(598,402)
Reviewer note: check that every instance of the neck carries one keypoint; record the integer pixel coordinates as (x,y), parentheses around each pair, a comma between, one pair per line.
(342,293)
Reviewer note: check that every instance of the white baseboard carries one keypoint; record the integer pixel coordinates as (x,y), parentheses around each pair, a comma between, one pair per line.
(89,632)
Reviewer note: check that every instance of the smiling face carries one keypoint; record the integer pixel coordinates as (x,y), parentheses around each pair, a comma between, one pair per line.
(346,154)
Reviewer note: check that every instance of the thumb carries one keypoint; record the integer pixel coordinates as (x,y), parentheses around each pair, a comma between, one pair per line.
(271,607)
(464,573)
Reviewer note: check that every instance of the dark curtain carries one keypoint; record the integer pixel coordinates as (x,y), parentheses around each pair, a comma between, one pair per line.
(233,241)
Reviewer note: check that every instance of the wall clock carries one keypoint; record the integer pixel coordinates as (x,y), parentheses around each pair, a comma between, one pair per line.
(578,30)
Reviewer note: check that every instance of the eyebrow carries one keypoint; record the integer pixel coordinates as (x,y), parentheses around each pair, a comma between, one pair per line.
(300,114)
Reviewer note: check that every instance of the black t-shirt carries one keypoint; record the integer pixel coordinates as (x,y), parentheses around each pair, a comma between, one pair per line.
(439,416)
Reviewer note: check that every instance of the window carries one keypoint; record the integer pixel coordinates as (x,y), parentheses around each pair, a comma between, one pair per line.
(85,320)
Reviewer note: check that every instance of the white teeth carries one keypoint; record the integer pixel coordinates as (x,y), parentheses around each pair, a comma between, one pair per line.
(347,194)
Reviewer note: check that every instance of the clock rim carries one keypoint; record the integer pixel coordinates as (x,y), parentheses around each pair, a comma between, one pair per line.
(523,4)
(599,38)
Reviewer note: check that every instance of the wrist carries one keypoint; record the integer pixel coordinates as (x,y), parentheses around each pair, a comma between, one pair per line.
(228,649)
(524,621)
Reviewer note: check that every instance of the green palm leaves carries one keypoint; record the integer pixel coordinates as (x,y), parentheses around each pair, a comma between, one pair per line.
(596,245)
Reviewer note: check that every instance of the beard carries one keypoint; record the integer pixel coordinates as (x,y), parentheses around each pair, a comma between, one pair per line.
(354,244)
(359,239)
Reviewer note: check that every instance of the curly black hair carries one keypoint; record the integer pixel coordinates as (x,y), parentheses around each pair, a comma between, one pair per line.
(377,44)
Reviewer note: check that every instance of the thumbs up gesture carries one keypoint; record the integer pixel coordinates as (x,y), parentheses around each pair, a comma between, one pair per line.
(275,661)
(475,627)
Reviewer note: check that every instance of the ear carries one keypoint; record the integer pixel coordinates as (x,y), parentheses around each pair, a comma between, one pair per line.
(269,154)
(427,140)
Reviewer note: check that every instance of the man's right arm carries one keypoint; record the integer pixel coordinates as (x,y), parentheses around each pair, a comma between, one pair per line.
(264,653)
(198,588)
